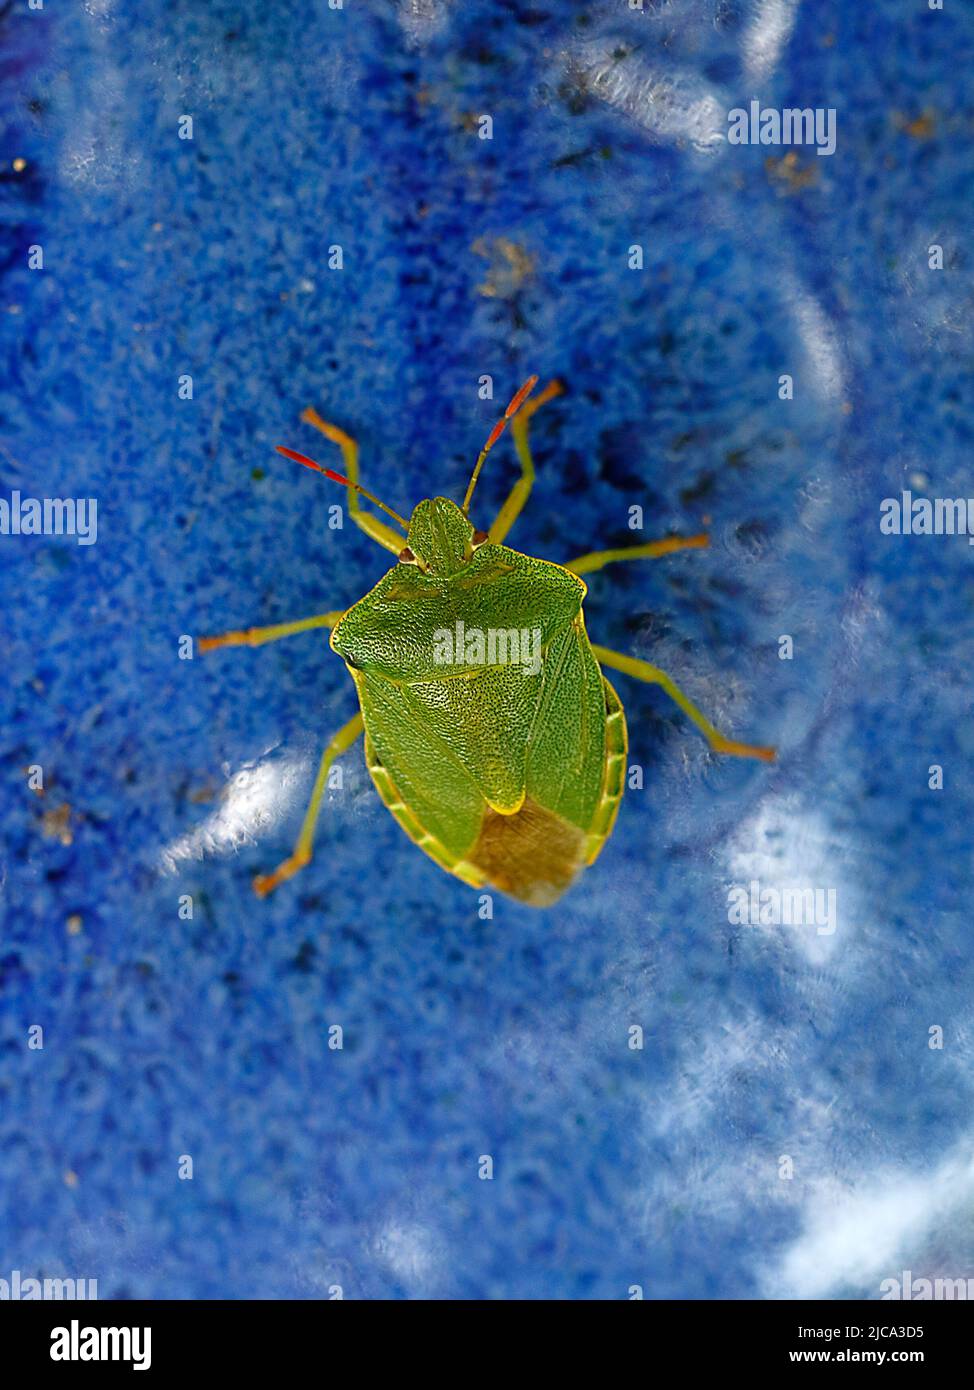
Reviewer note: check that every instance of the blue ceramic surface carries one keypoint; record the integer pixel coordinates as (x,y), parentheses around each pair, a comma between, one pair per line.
(789,1125)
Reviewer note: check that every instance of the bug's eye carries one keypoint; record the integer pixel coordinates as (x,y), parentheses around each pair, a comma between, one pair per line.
(406,556)
(478,538)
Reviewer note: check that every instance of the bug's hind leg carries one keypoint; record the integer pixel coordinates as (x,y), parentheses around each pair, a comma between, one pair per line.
(342,741)
(257,636)
(595,559)
(371,525)
(521,490)
(652,675)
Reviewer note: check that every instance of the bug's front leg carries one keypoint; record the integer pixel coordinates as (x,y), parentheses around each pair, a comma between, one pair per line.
(342,741)
(652,675)
(595,559)
(374,528)
(257,636)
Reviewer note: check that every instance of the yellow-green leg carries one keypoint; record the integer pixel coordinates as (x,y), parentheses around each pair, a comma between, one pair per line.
(343,740)
(370,524)
(652,675)
(521,490)
(257,636)
(595,559)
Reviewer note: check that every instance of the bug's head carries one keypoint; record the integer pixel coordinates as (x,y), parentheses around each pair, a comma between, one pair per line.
(441,540)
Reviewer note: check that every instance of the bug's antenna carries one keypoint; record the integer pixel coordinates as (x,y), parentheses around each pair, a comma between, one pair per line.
(339,478)
(495,434)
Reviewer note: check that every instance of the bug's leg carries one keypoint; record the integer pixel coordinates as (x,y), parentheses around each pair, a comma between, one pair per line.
(521,490)
(370,524)
(595,559)
(342,741)
(652,675)
(257,636)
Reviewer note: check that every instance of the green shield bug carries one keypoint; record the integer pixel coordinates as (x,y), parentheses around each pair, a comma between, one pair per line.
(491,732)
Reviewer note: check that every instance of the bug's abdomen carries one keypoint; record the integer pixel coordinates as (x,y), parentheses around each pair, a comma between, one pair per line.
(417,832)
(535,854)
(616,748)
(532,855)
(534,851)
(566,756)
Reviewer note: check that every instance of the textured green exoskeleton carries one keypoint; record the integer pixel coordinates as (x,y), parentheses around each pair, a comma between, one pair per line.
(503,773)
(491,733)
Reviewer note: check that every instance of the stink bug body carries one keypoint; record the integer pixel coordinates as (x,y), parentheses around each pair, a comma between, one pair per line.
(491,732)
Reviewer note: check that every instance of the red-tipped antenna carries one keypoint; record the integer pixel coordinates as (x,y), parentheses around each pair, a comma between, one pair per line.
(339,478)
(496,433)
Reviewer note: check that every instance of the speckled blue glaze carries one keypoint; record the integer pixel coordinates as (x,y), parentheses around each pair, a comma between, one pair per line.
(510,1037)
